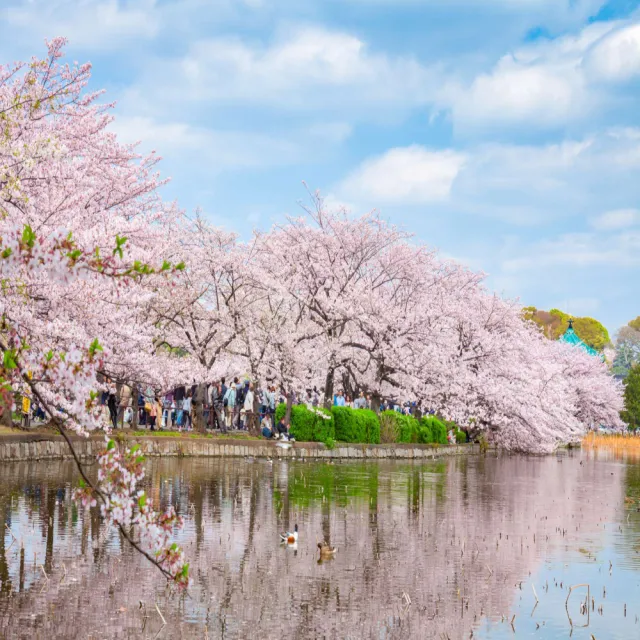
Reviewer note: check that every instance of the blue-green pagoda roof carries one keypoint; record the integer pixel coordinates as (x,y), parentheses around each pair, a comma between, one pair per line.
(571,337)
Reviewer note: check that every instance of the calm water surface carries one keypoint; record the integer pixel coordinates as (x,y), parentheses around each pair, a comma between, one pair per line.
(449,549)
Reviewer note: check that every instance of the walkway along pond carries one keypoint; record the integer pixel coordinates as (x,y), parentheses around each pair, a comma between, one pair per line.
(426,549)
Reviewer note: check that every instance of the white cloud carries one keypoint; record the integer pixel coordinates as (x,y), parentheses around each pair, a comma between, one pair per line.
(223,150)
(405,175)
(513,93)
(542,85)
(618,219)
(616,57)
(89,24)
(305,69)
(519,184)
(581,250)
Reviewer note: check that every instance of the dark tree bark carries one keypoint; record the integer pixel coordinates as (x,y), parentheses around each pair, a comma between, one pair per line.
(287,415)
(328,389)
(134,406)
(198,409)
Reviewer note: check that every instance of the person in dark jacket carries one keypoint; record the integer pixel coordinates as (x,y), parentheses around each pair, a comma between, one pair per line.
(282,430)
(217,405)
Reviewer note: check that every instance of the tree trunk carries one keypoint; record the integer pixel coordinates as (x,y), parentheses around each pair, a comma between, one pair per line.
(254,419)
(5,419)
(134,406)
(198,409)
(375,402)
(119,409)
(328,389)
(287,415)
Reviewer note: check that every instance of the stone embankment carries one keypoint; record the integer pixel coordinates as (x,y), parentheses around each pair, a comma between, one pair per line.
(16,447)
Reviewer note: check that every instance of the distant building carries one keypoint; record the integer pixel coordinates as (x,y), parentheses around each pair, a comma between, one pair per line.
(571,337)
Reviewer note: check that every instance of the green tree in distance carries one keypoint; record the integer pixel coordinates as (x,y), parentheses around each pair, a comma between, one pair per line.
(631,413)
(555,322)
(627,348)
(635,324)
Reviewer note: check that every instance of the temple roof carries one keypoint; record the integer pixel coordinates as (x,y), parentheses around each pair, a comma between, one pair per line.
(571,337)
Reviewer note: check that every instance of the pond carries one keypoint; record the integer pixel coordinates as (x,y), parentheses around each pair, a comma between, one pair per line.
(450,549)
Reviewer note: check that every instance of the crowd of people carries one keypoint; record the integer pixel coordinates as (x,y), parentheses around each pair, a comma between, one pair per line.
(226,406)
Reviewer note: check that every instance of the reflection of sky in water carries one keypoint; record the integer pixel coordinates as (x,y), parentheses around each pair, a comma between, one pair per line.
(622,585)
(457,537)
(607,559)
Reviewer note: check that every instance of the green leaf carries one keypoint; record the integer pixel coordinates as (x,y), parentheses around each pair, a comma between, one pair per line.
(28,236)
(135,448)
(110,445)
(49,356)
(142,500)
(180,266)
(165,265)
(82,483)
(9,359)
(94,347)
(120,242)
(7,252)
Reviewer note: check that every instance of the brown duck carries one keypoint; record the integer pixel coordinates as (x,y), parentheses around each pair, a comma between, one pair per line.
(326,551)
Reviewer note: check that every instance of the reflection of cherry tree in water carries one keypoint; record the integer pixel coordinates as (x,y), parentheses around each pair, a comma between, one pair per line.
(455,537)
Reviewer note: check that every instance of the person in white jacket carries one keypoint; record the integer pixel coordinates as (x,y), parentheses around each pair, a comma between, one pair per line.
(247,407)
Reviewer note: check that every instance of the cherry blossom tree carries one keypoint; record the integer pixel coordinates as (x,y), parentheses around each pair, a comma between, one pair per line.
(377,312)
(80,227)
(210,306)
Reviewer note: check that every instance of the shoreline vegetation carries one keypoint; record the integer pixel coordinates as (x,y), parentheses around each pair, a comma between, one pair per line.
(626,443)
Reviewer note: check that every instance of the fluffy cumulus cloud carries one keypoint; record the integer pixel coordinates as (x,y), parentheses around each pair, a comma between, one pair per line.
(405,175)
(530,185)
(616,57)
(546,84)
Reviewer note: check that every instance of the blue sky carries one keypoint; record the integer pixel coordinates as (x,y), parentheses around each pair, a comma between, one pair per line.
(504,132)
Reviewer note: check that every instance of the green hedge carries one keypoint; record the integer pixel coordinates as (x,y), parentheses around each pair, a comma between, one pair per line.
(364,426)
(306,425)
(437,429)
(396,427)
(461,436)
(356,425)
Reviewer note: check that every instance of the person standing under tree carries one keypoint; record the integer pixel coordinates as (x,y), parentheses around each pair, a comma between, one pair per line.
(186,411)
(247,408)
(230,403)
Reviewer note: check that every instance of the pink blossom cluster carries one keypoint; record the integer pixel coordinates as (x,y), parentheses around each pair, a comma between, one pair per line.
(125,506)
